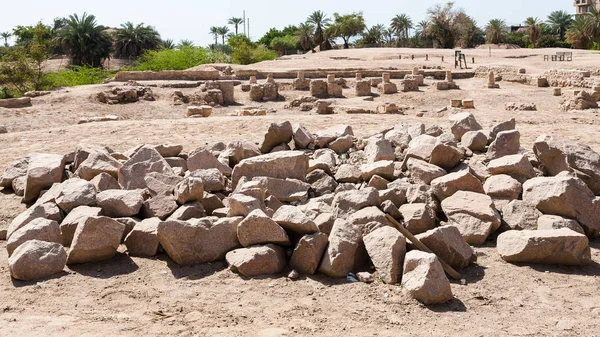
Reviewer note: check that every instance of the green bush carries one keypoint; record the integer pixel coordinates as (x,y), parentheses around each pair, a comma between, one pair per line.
(177,59)
(75,76)
(520,39)
(245,54)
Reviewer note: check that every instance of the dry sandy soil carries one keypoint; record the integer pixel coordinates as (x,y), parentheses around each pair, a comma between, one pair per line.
(132,297)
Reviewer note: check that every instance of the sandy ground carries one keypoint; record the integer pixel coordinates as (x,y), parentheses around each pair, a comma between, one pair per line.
(130,296)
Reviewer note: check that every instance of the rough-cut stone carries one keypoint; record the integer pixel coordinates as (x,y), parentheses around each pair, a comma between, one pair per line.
(347,202)
(285,190)
(189,189)
(242,205)
(565,196)
(96,239)
(463,123)
(421,147)
(105,181)
(447,243)
(204,160)
(282,165)
(506,143)
(502,186)
(557,155)
(143,238)
(422,172)
(198,241)
(339,257)
(520,215)
(324,137)
(38,229)
(473,214)
(557,246)
(308,252)
(503,126)
(302,137)
(516,166)
(557,222)
(424,278)
(192,210)
(43,171)
(418,217)
(120,203)
(159,206)
(321,182)
(474,140)
(386,248)
(257,260)
(294,220)
(277,133)
(169,150)
(75,193)
(342,144)
(15,170)
(48,210)
(383,168)
(96,163)
(36,260)
(445,155)
(449,184)
(347,173)
(258,228)
(144,161)
(70,222)
(378,150)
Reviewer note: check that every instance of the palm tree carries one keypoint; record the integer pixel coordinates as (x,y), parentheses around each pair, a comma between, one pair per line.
(580,33)
(320,21)
(441,25)
(535,29)
(594,17)
(235,22)
(559,22)
(373,35)
(495,31)
(388,34)
(401,24)
(185,43)
(421,30)
(86,41)
(304,34)
(223,31)
(5,36)
(131,41)
(167,44)
(214,31)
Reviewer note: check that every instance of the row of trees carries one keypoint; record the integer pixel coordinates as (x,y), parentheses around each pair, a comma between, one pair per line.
(559,29)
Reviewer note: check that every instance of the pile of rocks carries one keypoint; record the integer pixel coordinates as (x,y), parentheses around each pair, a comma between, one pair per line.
(314,203)
(582,100)
(520,107)
(124,95)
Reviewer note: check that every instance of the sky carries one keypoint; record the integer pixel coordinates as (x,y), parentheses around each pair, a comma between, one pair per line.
(191,19)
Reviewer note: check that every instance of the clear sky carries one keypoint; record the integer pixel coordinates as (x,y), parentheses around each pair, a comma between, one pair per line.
(191,19)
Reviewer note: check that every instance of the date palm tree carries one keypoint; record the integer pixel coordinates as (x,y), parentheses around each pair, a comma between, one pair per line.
(320,21)
(401,24)
(167,44)
(304,34)
(560,22)
(5,36)
(185,43)
(594,17)
(223,31)
(132,40)
(85,40)
(535,29)
(495,31)
(235,22)
(579,34)
(214,31)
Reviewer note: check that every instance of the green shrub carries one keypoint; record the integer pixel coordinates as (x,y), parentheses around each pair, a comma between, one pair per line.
(177,59)
(245,54)
(75,76)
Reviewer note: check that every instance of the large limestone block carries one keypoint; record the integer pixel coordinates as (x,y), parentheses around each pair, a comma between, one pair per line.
(283,165)
(308,253)
(339,257)
(39,229)
(558,246)
(143,238)
(257,260)
(145,160)
(386,248)
(424,278)
(36,260)
(474,215)
(43,171)
(258,228)
(96,239)
(448,244)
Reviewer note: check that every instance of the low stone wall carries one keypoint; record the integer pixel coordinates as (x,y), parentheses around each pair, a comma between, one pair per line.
(167,75)
(347,73)
(15,102)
